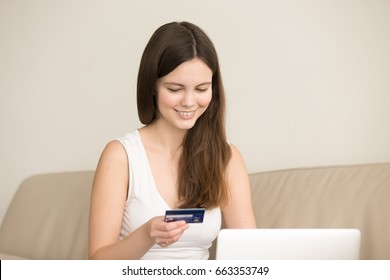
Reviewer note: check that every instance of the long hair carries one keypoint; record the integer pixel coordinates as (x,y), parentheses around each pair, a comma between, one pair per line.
(206,153)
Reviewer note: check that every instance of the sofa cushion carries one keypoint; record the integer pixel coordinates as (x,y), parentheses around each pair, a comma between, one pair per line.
(48,217)
(10,257)
(328,197)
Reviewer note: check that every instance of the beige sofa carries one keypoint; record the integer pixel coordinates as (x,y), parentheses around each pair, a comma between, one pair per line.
(47,219)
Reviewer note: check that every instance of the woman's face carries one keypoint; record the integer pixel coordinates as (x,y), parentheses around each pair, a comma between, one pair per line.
(184,94)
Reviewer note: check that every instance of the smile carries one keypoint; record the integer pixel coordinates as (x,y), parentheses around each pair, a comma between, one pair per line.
(186,114)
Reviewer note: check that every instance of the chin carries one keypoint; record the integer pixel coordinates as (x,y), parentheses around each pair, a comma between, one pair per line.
(185,126)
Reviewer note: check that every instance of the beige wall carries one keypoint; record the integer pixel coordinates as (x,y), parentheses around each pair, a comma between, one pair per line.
(307,82)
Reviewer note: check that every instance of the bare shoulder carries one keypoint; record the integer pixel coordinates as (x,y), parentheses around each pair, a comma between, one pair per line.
(113,163)
(236,163)
(115,152)
(235,151)
(234,148)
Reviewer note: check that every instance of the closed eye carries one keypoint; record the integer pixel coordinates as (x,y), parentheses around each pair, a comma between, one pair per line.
(174,89)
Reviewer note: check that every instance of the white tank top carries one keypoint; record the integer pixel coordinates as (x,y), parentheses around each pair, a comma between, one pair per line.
(145,202)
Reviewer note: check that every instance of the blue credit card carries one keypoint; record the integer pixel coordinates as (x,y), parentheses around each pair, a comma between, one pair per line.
(190,215)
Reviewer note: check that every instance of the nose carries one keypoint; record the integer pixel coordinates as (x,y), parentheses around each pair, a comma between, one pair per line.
(188,99)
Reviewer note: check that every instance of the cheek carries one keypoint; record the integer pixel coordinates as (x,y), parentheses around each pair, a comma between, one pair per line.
(204,100)
(167,100)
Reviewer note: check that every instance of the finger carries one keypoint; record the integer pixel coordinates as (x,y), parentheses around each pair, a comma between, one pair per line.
(174,224)
(169,237)
(161,225)
(163,242)
(170,229)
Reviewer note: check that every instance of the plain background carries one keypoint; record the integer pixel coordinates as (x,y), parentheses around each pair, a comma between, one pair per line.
(307,82)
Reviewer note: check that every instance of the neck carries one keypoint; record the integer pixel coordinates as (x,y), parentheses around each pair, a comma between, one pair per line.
(163,138)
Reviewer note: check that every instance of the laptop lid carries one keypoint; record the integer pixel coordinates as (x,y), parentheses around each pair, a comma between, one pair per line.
(288,244)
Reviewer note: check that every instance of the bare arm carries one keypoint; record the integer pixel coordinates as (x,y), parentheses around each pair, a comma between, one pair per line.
(238,212)
(109,193)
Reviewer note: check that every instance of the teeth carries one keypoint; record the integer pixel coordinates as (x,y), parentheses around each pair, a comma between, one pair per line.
(186,114)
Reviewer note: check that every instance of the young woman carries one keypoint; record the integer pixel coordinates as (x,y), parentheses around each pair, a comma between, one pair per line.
(179,159)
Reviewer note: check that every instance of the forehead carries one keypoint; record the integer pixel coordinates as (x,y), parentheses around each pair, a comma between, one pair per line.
(194,71)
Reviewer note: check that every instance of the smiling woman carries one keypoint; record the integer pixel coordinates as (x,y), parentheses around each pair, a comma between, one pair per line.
(179,159)
(184,94)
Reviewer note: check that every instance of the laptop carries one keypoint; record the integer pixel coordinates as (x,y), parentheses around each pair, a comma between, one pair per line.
(288,244)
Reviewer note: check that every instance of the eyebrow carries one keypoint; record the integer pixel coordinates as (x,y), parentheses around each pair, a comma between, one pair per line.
(177,84)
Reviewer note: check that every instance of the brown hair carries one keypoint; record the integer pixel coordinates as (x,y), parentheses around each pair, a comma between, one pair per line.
(206,153)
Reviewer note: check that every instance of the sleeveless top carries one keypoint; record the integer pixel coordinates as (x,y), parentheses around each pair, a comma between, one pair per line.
(145,202)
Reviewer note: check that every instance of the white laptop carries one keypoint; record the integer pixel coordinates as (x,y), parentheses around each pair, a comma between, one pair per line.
(288,244)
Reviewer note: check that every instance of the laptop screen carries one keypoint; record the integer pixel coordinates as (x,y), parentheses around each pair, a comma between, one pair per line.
(288,244)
